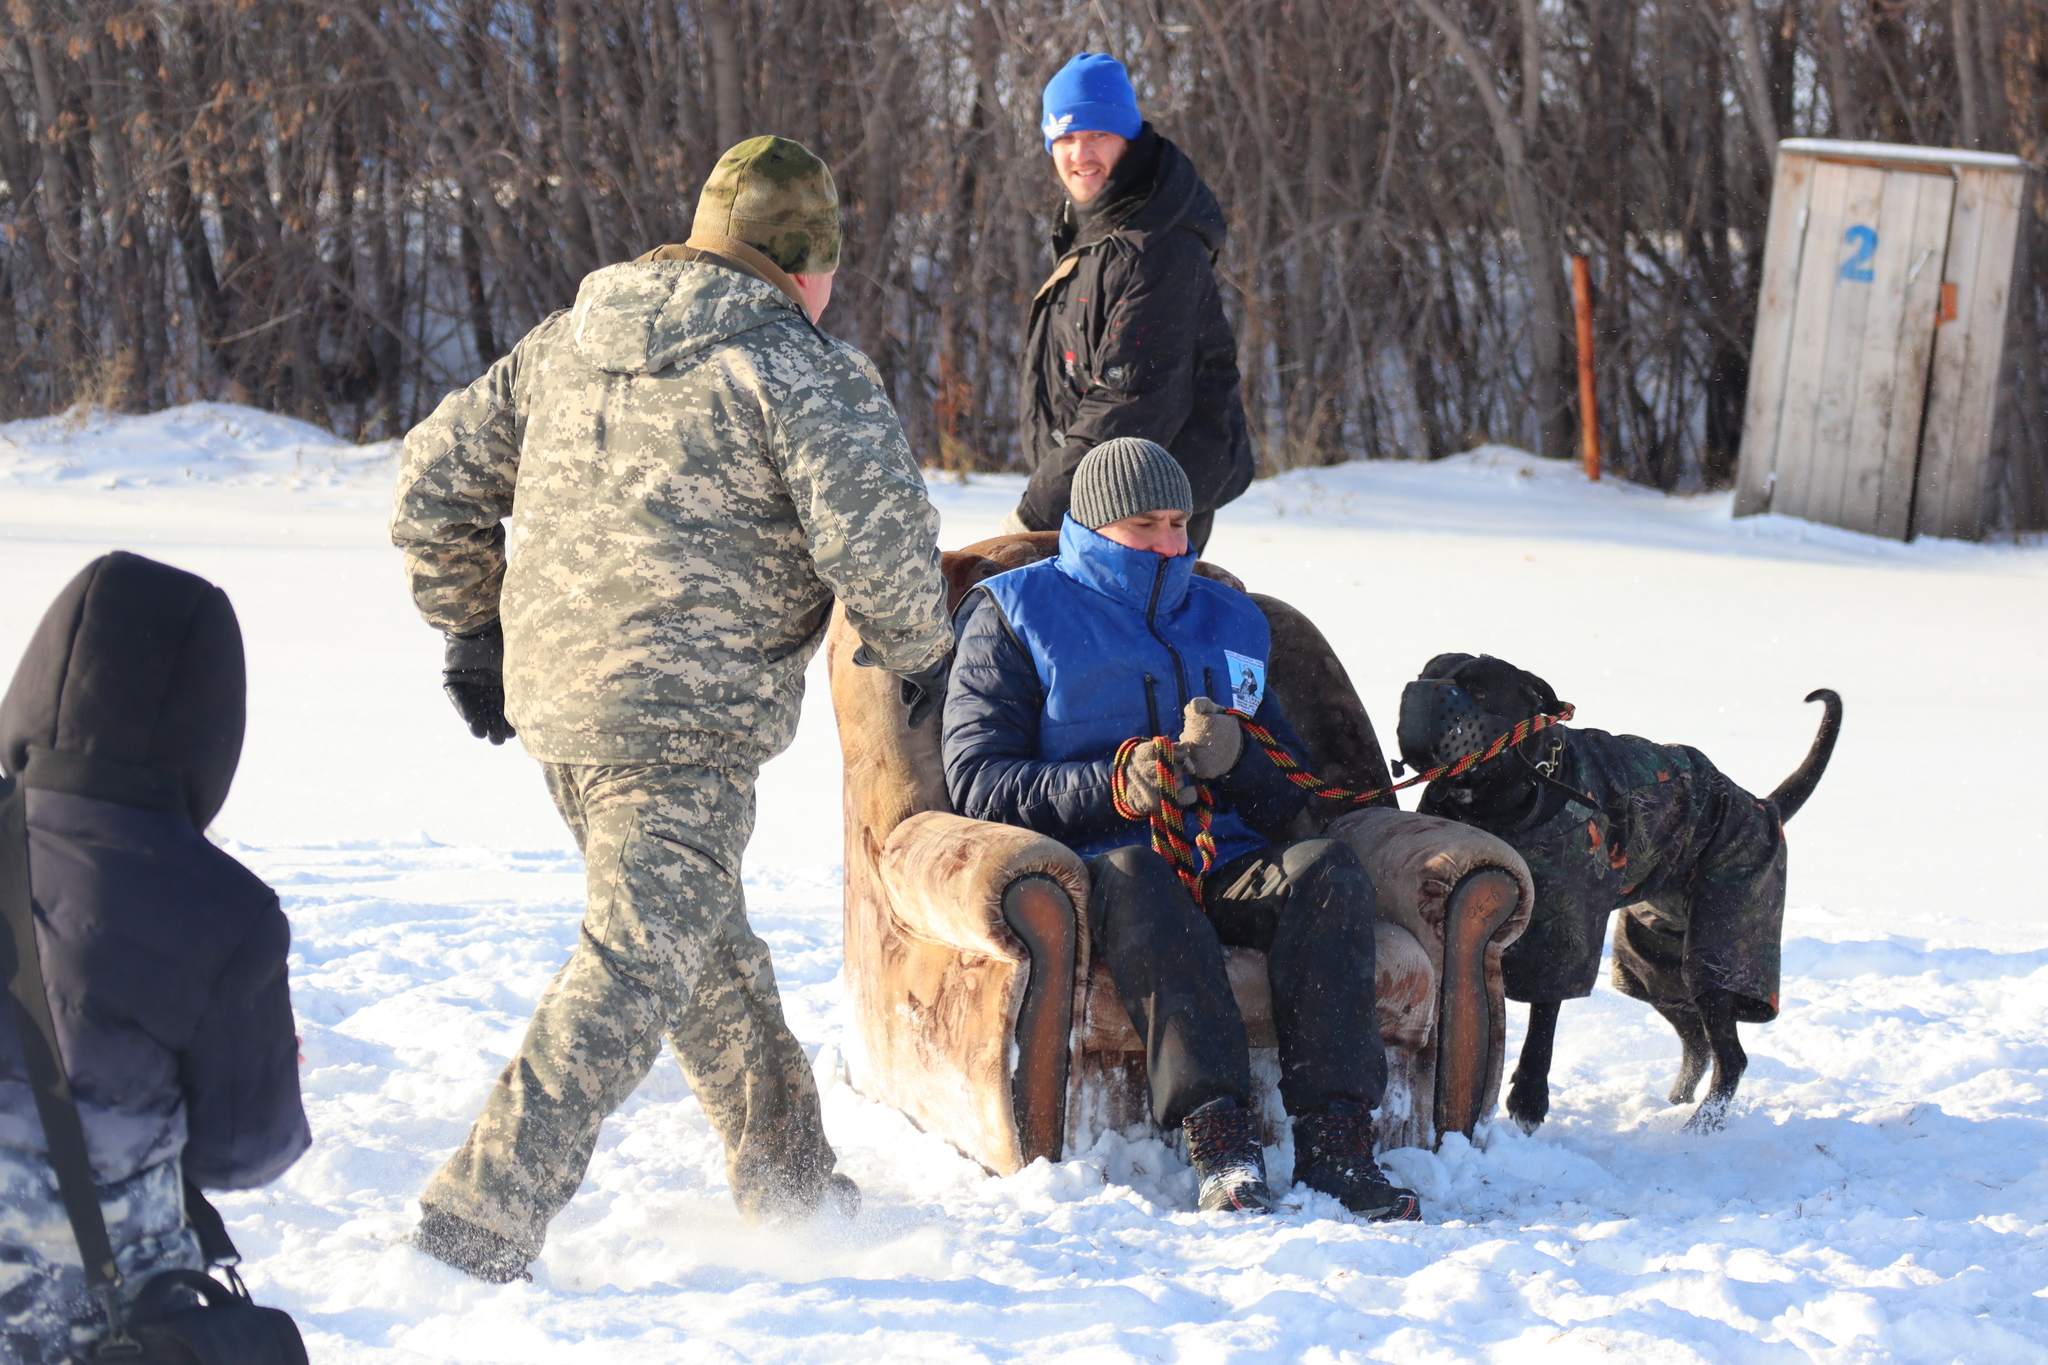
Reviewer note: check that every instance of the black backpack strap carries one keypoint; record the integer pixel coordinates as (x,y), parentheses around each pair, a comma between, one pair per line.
(63,1133)
(214,1242)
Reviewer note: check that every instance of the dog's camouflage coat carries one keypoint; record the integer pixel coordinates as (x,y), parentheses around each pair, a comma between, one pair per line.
(1695,865)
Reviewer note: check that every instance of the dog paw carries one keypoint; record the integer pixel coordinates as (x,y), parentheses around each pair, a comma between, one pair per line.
(1528,1106)
(1710,1117)
(1688,1083)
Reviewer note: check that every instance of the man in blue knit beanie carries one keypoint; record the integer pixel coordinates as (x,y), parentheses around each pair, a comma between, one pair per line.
(1091,94)
(1127,338)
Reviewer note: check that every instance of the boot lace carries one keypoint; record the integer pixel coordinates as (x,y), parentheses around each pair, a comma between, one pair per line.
(1343,1138)
(1222,1137)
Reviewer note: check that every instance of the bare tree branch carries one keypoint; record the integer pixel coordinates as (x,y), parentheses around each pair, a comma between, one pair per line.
(1756,86)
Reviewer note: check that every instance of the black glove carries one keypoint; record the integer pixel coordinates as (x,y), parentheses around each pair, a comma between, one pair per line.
(925,692)
(473,675)
(922,692)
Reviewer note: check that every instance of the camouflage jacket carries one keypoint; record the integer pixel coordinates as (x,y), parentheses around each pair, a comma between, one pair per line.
(47,1316)
(693,472)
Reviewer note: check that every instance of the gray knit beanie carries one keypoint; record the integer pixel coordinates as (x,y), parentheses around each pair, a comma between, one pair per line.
(1127,477)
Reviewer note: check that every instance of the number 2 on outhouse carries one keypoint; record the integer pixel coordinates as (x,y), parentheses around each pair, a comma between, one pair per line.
(1857,267)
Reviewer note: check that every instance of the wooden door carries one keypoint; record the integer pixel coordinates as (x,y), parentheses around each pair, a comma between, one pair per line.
(1863,327)
(1955,462)
(1844,332)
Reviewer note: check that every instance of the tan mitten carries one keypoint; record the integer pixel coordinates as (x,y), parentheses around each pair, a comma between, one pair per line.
(1210,739)
(1141,780)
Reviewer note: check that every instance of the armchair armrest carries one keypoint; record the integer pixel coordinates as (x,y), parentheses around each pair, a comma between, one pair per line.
(1417,863)
(1465,896)
(990,891)
(949,876)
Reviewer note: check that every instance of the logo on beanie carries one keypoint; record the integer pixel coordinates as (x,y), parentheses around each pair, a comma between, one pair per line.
(1247,681)
(1056,128)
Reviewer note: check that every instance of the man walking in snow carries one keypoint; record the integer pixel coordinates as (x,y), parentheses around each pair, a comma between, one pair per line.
(1068,672)
(1127,336)
(699,472)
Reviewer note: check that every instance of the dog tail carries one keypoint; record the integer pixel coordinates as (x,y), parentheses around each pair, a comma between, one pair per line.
(1793,791)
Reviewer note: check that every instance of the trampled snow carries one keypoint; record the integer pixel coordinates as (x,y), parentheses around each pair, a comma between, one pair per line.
(1879,1194)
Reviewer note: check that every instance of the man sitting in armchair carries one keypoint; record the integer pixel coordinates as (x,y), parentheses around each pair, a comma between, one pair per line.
(1059,664)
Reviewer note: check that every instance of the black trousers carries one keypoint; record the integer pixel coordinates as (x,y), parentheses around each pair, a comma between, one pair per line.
(1309,907)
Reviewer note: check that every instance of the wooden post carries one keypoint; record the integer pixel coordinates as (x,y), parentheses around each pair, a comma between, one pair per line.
(1589,412)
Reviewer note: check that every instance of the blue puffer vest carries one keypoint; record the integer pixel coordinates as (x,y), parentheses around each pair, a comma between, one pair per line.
(1122,639)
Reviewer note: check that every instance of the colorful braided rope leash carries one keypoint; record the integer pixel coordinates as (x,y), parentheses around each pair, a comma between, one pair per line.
(1192,856)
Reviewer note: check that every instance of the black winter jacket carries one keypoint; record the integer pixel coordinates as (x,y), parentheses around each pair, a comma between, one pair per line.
(1128,338)
(164,958)
(993,703)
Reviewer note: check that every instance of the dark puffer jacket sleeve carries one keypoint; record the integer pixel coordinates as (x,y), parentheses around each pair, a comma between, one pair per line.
(244,1120)
(993,702)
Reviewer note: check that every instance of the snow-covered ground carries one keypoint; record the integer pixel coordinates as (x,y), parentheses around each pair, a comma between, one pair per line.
(1880,1194)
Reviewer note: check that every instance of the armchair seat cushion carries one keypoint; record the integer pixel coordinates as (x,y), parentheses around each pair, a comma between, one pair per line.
(1405,982)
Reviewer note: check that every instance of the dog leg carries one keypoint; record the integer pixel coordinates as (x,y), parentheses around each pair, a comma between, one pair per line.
(1529,1094)
(1717,1012)
(1685,1021)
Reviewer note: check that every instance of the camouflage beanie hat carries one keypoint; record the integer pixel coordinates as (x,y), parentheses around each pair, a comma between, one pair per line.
(778,198)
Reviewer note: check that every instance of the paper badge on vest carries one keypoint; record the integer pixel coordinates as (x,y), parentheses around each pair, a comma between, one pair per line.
(1247,681)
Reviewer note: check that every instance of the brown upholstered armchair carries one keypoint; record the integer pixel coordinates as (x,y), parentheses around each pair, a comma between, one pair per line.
(977,1010)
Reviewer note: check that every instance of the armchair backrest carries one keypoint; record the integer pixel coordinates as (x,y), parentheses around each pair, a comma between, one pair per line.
(1318,699)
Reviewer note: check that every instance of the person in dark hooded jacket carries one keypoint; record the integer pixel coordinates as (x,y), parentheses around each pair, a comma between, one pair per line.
(1127,337)
(163,957)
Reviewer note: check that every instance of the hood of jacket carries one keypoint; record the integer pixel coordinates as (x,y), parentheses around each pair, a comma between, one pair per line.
(643,316)
(132,690)
(1128,576)
(1179,199)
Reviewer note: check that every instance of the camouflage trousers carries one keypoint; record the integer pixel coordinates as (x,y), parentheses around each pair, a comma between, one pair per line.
(665,953)
(46,1315)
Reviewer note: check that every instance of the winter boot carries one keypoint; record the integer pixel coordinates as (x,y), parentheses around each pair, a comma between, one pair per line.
(842,1194)
(1333,1153)
(1223,1147)
(795,1198)
(474,1251)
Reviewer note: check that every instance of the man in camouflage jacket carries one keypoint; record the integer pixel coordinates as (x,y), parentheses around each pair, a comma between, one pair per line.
(697,473)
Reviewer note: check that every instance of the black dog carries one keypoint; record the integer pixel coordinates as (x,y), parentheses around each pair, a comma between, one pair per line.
(1608,822)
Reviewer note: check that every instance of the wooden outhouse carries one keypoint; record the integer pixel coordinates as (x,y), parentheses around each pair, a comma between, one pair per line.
(1891,388)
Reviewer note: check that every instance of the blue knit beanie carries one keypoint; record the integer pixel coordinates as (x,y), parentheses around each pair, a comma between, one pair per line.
(1091,94)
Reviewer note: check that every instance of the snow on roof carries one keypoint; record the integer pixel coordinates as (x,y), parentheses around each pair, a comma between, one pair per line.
(1901,152)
